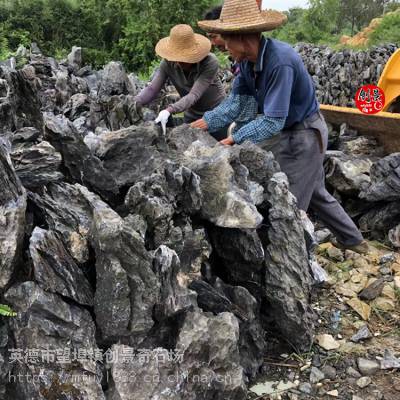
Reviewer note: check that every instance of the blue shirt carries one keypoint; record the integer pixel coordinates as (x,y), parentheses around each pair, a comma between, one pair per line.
(279,82)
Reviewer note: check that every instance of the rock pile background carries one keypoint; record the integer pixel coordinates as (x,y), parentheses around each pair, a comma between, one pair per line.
(339,74)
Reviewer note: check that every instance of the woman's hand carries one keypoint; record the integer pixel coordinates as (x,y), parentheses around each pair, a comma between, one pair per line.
(200,124)
(228,141)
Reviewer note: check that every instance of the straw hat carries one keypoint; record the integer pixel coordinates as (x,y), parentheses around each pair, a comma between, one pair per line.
(183,45)
(244,16)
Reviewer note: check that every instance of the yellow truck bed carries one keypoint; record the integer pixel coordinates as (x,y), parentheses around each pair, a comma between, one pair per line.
(384,126)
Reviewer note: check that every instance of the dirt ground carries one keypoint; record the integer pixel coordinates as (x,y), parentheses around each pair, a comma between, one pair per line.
(332,368)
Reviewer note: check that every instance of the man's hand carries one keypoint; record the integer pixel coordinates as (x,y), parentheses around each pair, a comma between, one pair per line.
(200,124)
(163,119)
(228,141)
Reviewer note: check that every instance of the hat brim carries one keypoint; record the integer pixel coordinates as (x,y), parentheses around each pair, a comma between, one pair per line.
(195,53)
(268,21)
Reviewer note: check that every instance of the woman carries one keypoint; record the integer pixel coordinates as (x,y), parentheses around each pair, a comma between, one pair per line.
(193,70)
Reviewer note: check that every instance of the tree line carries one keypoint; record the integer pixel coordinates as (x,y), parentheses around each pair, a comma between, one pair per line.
(128,30)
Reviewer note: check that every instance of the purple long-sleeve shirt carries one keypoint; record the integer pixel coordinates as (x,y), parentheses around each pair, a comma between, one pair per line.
(200,89)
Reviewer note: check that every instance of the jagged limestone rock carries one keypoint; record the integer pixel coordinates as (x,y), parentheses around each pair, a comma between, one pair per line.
(385,180)
(55,270)
(37,164)
(83,167)
(13,202)
(287,273)
(46,323)
(204,364)
(347,174)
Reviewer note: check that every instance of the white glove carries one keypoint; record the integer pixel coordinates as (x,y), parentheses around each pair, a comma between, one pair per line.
(163,119)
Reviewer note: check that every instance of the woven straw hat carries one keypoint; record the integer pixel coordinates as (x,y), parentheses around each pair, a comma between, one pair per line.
(183,45)
(244,16)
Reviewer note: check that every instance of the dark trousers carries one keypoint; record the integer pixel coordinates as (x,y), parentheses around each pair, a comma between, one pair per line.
(300,152)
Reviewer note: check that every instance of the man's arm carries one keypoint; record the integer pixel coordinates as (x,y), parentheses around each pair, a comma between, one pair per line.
(260,129)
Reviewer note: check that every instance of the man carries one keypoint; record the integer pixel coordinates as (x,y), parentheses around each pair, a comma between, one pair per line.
(274,81)
(193,70)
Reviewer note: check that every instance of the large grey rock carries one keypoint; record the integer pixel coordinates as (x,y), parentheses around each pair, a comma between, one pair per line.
(51,332)
(161,198)
(379,220)
(385,180)
(75,57)
(131,154)
(82,166)
(55,270)
(287,273)
(19,101)
(219,298)
(71,223)
(225,203)
(114,81)
(205,364)
(127,289)
(346,173)
(37,164)
(12,217)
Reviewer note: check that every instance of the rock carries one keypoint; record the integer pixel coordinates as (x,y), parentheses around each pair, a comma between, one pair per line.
(361,308)
(237,300)
(55,270)
(364,382)
(389,361)
(73,223)
(286,269)
(224,203)
(362,334)
(37,165)
(75,57)
(305,388)
(333,393)
(131,154)
(372,291)
(380,219)
(82,166)
(329,372)
(385,180)
(12,217)
(353,373)
(272,388)
(316,375)
(56,330)
(335,254)
(384,304)
(394,236)
(327,342)
(206,347)
(114,81)
(387,259)
(367,367)
(122,261)
(347,174)
(173,297)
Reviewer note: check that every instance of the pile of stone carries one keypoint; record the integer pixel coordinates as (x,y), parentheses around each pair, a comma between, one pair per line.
(140,265)
(338,75)
(367,182)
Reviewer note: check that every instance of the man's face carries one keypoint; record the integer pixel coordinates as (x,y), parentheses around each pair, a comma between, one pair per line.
(235,46)
(217,41)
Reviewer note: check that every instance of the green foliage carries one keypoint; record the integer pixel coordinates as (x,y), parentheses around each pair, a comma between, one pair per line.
(388,31)
(6,311)
(128,30)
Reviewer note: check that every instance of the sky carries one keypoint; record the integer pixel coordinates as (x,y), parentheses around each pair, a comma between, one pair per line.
(284,5)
